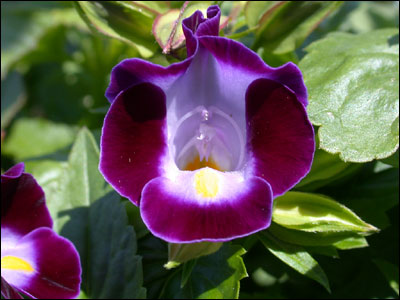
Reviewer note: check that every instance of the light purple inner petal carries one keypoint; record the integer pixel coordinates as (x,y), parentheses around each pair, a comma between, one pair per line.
(9,292)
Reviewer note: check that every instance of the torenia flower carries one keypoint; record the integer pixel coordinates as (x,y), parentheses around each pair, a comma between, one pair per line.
(34,259)
(203,146)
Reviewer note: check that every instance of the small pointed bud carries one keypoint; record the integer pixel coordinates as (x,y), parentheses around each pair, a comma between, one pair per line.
(180,253)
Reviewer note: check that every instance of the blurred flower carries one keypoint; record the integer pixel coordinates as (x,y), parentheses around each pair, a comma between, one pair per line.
(204,145)
(34,259)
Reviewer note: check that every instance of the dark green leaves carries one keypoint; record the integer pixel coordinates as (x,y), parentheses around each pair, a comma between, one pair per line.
(353,84)
(391,272)
(86,211)
(296,257)
(13,97)
(215,276)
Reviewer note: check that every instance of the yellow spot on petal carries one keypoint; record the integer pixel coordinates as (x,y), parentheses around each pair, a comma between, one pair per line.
(206,183)
(15,263)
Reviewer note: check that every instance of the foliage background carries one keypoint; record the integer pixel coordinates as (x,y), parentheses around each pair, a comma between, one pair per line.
(54,72)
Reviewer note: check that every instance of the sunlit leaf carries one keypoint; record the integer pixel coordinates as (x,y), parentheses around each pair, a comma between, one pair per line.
(339,240)
(316,213)
(353,84)
(34,137)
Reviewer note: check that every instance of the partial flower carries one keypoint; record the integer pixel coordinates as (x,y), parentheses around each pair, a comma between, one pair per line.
(34,259)
(203,146)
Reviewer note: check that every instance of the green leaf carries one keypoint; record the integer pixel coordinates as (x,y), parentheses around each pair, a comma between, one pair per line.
(354,95)
(390,271)
(352,243)
(316,213)
(114,271)
(117,19)
(86,211)
(13,97)
(285,24)
(215,276)
(34,137)
(296,257)
(73,183)
(338,240)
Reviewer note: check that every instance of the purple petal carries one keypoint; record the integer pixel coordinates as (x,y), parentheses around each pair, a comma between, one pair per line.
(280,138)
(14,172)
(23,206)
(196,25)
(242,65)
(134,141)
(56,271)
(131,72)
(175,211)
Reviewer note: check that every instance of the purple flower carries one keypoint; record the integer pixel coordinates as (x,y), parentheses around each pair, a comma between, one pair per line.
(34,259)
(204,145)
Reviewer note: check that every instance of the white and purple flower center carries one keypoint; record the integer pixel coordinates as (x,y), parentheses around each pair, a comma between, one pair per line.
(207,137)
